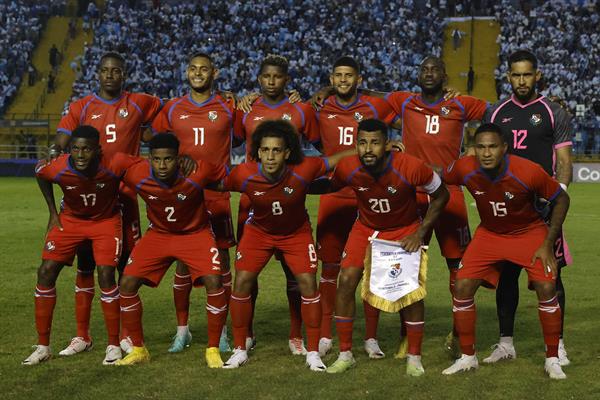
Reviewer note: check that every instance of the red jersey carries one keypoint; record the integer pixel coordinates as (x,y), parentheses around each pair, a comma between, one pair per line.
(505,204)
(85,197)
(203,129)
(388,202)
(119,121)
(176,209)
(277,207)
(301,115)
(338,124)
(434,132)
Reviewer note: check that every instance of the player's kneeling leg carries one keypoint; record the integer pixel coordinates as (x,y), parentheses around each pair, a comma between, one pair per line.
(131,318)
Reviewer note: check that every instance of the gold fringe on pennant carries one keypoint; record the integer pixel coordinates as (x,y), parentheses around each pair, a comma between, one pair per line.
(394,306)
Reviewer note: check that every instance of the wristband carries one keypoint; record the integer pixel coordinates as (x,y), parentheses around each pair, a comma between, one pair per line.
(563,186)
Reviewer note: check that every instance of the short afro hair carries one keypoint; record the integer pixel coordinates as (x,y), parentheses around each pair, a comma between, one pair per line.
(164,141)
(347,61)
(374,125)
(275,60)
(86,132)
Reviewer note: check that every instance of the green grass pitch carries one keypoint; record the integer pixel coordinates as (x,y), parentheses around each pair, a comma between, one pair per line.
(272,372)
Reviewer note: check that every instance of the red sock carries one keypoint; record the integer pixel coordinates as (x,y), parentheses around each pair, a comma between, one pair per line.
(414,333)
(465,316)
(109,299)
(344,326)
(45,300)
(216,314)
(241,311)
(371,320)
(550,317)
(131,317)
(182,287)
(311,314)
(293,296)
(451,282)
(84,294)
(328,288)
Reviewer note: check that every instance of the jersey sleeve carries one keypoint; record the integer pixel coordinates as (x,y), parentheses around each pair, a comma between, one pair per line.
(70,120)
(151,106)
(234,180)
(311,126)
(211,173)
(161,123)
(418,173)
(452,174)
(563,127)
(120,162)
(48,170)
(396,99)
(474,108)
(316,166)
(339,178)
(239,130)
(385,112)
(542,183)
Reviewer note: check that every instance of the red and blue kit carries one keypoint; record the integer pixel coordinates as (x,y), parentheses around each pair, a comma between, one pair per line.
(511,229)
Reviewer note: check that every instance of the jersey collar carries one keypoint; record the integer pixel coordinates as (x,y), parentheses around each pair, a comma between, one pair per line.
(285,170)
(349,105)
(273,106)
(519,104)
(205,102)
(501,174)
(113,101)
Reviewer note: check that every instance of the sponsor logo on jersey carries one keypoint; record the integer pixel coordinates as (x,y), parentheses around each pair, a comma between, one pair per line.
(418,108)
(313,266)
(478,193)
(184,116)
(41,166)
(331,116)
(100,185)
(257,193)
(445,110)
(181,196)
(216,268)
(212,116)
(288,190)
(71,187)
(460,265)
(258,118)
(392,189)
(362,189)
(50,246)
(286,117)
(238,256)
(123,113)
(535,119)
(394,271)
(450,167)
(508,196)
(150,197)
(358,116)
(506,120)
(96,116)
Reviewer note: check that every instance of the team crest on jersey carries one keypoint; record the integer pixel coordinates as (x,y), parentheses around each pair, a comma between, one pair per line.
(50,246)
(286,117)
(445,110)
(123,113)
(181,196)
(212,116)
(394,271)
(535,119)
(288,190)
(358,116)
(392,189)
(508,196)
(100,185)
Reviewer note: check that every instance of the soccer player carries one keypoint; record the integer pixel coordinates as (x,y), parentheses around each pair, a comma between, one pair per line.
(202,121)
(432,130)
(274,104)
(541,131)
(89,212)
(180,230)
(505,188)
(277,188)
(120,117)
(338,120)
(385,185)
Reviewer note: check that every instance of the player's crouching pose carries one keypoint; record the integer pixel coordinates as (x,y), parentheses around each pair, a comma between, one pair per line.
(277,186)
(385,184)
(90,183)
(179,230)
(511,230)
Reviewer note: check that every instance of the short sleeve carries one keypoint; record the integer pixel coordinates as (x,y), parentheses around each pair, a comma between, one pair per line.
(70,120)
(310,130)
(161,123)
(385,112)
(234,180)
(396,100)
(563,127)
(339,178)
(151,106)
(451,175)
(542,183)
(120,162)
(239,130)
(315,167)
(47,170)
(211,173)
(474,108)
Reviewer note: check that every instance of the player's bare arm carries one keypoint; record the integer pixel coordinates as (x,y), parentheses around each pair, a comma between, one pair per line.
(317,99)
(48,193)
(439,198)
(564,165)
(546,251)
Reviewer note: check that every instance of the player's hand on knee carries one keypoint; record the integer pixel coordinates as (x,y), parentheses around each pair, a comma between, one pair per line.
(546,255)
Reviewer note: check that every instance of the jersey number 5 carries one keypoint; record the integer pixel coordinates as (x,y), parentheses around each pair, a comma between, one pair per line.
(111,133)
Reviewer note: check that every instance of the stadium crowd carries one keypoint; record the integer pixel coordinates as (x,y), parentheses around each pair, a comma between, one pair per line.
(567,42)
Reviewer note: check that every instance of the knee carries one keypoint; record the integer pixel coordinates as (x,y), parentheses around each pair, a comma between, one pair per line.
(464,289)
(106,276)
(347,283)
(546,291)
(129,284)
(47,273)
(307,284)
(212,283)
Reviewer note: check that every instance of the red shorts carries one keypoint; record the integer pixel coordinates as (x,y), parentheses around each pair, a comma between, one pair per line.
(131,217)
(156,251)
(356,247)
(452,227)
(105,236)
(243,214)
(219,211)
(337,214)
(487,251)
(257,246)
